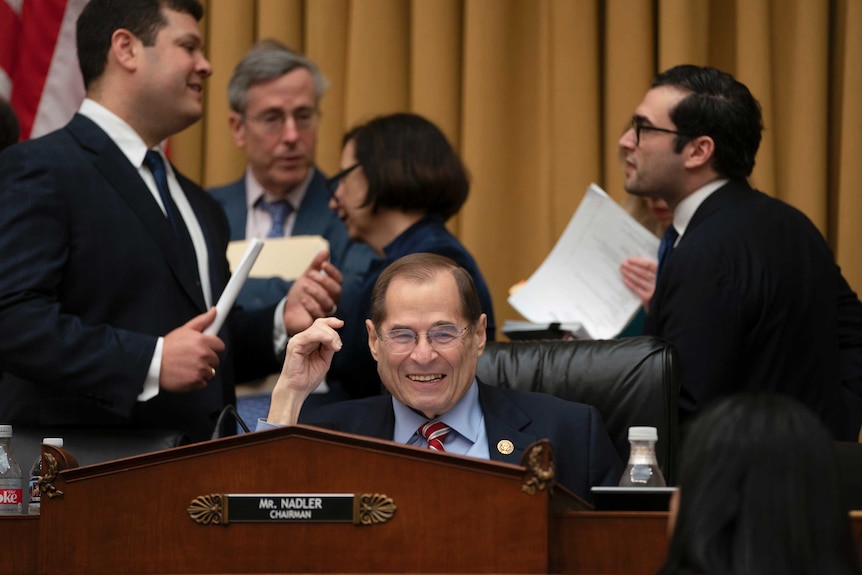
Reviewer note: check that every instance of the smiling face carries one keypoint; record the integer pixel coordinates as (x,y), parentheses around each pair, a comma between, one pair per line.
(652,166)
(430,381)
(280,160)
(172,72)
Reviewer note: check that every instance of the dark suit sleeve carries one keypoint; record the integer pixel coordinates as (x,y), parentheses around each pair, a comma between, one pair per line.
(701,312)
(850,346)
(42,338)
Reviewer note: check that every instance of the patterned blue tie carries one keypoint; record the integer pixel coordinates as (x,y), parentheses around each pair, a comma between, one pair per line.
(665,248)
(153,160)
(278,210)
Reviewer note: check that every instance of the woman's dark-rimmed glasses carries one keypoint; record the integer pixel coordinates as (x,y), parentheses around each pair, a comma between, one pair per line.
(333,182)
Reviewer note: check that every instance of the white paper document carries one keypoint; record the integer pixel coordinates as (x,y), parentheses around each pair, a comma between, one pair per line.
(580,280)
(234,284)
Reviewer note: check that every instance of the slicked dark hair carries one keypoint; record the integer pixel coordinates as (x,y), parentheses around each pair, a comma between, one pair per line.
(101,18)
(759,494)
(420,268)
(719,107)
(410,166)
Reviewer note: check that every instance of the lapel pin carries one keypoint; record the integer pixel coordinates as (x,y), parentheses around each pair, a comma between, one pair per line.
(505,447)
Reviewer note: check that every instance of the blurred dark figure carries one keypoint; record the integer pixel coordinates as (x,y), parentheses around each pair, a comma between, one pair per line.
(759,494)
(9,128)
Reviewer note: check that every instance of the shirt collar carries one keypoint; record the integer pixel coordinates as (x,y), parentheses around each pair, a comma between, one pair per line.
(254,191)
(123,135)
(685,209)
(465,417)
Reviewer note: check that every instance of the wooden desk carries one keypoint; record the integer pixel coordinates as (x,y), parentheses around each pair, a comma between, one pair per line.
(587,542)
(486,520)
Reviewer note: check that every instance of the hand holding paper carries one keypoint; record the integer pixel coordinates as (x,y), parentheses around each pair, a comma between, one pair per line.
(580,280)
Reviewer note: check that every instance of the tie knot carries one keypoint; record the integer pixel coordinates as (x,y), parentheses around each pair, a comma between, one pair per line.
(153,160)
(435,433)
(278,211)
(670,235)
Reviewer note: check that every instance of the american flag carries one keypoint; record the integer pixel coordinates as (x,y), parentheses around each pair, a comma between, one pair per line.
(39,71)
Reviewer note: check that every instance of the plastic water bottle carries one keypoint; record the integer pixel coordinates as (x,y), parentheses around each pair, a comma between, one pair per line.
(35,505)
(11,481)
(642,469)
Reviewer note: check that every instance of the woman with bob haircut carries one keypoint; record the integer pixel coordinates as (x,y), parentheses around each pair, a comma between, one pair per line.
(759,494)
(400,181)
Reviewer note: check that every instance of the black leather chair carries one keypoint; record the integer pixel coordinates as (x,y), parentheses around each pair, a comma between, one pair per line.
(631,381)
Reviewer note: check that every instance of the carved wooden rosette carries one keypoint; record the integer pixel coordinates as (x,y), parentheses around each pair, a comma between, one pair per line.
(209,509)
(372,508)
(541,468)
(50,469)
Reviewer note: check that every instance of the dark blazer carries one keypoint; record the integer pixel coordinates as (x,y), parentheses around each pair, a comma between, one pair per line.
(312,218)
(750,298)
(353,367)
(91,275)
(584,453)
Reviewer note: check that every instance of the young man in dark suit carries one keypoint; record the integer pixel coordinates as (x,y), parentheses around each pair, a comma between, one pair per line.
(113,260)
(426,333)
(748,291)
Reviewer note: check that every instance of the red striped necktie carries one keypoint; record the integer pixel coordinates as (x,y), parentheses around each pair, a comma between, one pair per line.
(435,433)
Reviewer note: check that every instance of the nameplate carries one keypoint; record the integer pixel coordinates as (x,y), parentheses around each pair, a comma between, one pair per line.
(225,508)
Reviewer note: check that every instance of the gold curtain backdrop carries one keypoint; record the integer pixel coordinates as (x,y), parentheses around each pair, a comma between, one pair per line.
(535,93)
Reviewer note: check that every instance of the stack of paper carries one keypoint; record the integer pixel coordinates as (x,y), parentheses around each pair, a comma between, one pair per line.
(580,281)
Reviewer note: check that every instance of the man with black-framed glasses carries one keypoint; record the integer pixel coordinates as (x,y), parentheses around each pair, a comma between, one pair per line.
(747,288)
(426,333)
(274,95)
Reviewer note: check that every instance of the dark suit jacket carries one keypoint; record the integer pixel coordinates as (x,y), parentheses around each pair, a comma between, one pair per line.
(91,275)
(584,453)
(312,218)
(750,298)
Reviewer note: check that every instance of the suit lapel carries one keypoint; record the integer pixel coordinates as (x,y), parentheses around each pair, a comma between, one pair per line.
(381,421)
(315,202)
(235,208)
(504,421)
(126,181)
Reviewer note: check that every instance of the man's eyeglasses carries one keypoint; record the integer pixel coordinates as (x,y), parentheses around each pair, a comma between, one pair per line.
(441,338)
(638,127)
(275,120)
(333,182)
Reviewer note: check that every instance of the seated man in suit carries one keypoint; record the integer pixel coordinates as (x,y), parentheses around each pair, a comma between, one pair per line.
(274,95)
(426,333)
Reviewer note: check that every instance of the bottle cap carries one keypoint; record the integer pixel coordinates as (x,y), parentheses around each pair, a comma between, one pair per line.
(5,431)
(55,441)
(643,434)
